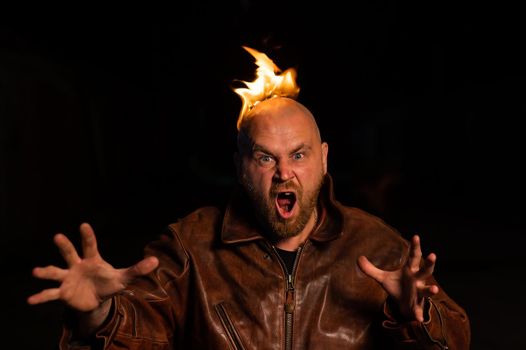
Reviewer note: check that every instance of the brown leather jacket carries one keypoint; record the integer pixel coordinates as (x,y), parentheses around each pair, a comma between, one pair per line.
(221,285)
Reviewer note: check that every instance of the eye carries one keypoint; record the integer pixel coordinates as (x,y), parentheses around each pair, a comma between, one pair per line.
(298,156)
(265,160)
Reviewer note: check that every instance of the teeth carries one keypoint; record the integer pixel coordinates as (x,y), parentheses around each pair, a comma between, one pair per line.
(286,195)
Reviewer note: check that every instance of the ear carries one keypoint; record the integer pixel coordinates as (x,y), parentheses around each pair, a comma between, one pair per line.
(324,153)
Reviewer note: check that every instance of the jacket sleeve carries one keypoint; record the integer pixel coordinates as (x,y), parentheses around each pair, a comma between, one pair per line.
(149,313)
(446,326)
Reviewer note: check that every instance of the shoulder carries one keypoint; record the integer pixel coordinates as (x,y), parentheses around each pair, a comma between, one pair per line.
(359,219)
(201,224)
(374,235)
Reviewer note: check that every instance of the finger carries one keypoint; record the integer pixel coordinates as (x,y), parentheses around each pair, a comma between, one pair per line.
(89,241)
(143,267)
(67,250)
(44,296)
(370,270)
(419,313)
(50,273)
(415,254)
(428,268)
(428,290)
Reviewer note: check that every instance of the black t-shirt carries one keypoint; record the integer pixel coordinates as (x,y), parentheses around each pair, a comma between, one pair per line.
(288,258)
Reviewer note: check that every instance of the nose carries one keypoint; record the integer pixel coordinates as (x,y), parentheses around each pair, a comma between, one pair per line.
(284,171)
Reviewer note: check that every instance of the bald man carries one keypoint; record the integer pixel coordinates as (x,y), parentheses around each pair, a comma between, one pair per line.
(283,266)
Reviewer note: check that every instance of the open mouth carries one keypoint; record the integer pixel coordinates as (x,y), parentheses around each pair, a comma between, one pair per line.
(285,202)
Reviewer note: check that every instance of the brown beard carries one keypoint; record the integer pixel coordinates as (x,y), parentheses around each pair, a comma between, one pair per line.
(266,208)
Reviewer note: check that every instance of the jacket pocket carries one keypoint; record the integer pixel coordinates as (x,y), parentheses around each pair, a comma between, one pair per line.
(232,334)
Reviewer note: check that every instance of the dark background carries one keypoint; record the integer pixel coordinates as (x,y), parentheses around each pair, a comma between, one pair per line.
(125,118)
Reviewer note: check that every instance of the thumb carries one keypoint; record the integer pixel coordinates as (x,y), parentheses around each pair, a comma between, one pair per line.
(370,270)
(142,268)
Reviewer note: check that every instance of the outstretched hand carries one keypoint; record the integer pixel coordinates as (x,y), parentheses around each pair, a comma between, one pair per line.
(88,281)
(407,286)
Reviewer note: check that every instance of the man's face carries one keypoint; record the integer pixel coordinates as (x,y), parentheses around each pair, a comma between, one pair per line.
(283,167)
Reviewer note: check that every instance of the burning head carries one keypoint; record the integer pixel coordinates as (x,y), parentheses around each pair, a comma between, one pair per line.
(281,160)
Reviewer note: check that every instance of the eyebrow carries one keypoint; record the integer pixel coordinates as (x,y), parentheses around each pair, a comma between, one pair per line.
(260,148)
(300,147)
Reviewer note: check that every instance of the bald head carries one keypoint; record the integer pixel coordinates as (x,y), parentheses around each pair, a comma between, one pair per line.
(280,151)
(273,115)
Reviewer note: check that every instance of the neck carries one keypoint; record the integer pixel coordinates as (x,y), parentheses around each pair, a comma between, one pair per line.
(293,243)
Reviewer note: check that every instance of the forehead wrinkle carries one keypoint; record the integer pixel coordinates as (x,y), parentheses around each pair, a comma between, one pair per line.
(260,148)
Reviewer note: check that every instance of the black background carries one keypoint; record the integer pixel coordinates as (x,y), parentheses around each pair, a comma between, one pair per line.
(125,118)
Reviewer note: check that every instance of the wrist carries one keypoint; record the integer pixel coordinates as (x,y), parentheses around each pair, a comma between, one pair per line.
(89,322)
(393,311)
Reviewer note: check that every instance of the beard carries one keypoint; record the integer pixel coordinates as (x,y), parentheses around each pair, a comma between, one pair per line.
(265,206)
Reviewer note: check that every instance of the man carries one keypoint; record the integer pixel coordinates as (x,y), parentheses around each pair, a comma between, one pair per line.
(284,266)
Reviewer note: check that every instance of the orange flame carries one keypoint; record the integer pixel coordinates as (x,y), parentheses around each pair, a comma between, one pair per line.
(267,84)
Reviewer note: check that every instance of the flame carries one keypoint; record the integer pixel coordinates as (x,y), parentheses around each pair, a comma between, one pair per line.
(267,84)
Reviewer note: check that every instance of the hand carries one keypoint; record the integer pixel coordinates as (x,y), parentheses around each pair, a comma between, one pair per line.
(87,282)
(407,286)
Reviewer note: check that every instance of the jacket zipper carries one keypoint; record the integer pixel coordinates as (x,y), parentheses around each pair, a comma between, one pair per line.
(289,299)
(229,327)
(289,310)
